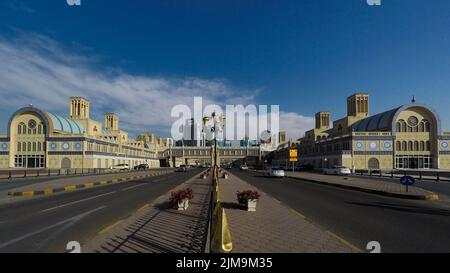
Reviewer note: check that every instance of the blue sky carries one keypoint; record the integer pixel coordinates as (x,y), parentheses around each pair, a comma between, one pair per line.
(139,57)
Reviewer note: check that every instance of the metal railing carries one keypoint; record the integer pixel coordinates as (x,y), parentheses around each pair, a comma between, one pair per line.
(29,173)
(426,175)
(220,235)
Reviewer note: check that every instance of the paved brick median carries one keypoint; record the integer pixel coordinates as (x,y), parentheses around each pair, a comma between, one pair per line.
(273,228)
(160,229)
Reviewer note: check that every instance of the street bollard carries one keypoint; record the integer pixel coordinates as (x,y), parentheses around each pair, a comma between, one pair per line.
(10,175)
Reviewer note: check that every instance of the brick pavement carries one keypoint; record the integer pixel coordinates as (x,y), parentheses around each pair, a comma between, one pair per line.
(273,228)
(157,228)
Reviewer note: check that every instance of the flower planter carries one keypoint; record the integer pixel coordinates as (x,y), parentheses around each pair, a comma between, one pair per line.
(251,204)
(183,204)
(225,176)
(180,199)
(248,199)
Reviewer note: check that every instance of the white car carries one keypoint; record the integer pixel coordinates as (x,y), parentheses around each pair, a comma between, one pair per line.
(243,167)
(275,172)
(122,167)
(338,170)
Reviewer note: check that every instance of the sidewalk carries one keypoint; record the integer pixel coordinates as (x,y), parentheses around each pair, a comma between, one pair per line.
(158,228)
(366,185)
(273,228)
(76,183)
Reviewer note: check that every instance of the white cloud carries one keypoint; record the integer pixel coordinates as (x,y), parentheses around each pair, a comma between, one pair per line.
(36,69)
(295,125)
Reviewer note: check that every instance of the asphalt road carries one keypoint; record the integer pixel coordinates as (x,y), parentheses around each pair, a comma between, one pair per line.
(47,224)
(398,225)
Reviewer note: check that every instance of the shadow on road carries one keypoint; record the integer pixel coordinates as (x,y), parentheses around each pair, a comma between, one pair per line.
(404,208)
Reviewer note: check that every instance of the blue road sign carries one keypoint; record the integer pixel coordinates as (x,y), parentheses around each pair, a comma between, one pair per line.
(407,180)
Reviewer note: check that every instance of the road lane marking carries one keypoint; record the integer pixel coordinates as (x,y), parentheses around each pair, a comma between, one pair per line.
(66,223)
(298,213)
(276,200)
(132,187)
(345,242)
(78,201)
(108,228)
(143,207)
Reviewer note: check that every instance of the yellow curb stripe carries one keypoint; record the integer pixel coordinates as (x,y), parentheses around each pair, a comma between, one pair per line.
(276,200)
(108,228)
(89,185)
(143,207)
(345,242)
(70,188)
(115,180)
(298,214)
(28,193)
(48,191)
(432,197)
(103,182)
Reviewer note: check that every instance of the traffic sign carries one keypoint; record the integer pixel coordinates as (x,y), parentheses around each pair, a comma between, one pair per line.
(293,153)
(292,159)
(407,180)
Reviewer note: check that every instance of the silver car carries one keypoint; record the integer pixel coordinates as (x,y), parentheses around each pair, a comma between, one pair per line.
(275,172)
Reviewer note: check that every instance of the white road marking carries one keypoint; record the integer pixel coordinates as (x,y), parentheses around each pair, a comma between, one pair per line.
(78,201)
(132,187)
(66,223)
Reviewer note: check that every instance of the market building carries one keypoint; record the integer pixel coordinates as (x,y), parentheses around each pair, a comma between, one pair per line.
(40,139)
(406,137)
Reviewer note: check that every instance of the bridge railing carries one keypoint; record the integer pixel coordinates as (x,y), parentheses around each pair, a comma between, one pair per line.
(429,175)
(28,173)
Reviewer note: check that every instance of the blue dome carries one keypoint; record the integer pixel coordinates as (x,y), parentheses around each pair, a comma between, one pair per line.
(380,122)
(66,125)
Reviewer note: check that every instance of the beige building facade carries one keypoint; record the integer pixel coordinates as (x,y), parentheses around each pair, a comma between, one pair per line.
(40,139)
(406,137)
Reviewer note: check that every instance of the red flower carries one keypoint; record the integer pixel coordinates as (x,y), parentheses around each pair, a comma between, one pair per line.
(247,195)
(179,196)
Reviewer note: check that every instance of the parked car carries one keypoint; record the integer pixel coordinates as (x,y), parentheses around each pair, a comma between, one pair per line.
(122,167)
(274,172)
(142,167)
(243,167)
(182,168)
(338,170)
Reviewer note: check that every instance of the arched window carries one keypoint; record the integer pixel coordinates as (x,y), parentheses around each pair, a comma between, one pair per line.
(399,127)
(399,146)
(422,127)
(428,146)
(29,146)
(39,129)
(24,147)
(19,129)
(404,146)
(19,146)
(416,145)
(34,147)
(39,147)
(427,127)
(410,145)
(422,146)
